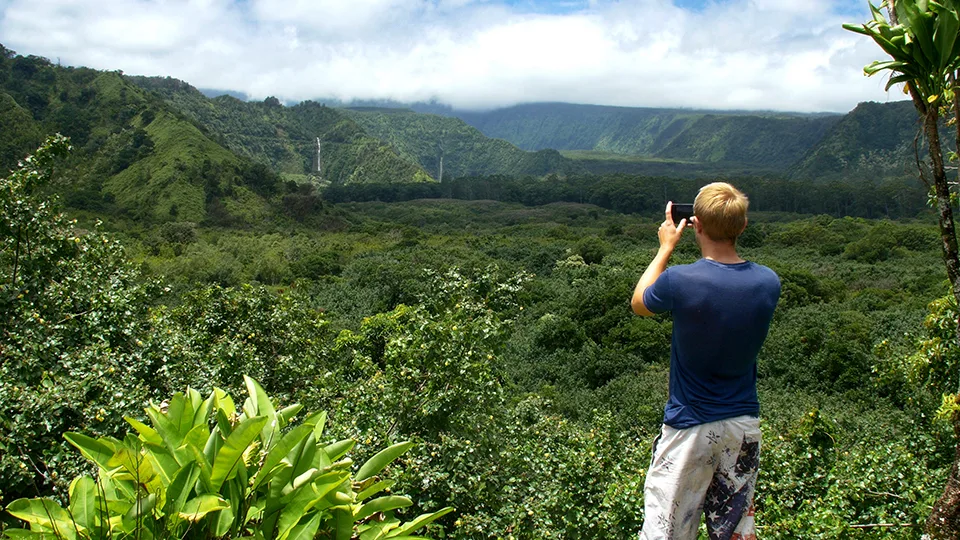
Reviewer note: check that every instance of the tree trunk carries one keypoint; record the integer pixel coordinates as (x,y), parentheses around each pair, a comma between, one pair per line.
(944,520)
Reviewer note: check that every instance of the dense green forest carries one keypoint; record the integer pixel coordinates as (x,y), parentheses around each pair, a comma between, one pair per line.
(425,138)
(465,344)
(872,141)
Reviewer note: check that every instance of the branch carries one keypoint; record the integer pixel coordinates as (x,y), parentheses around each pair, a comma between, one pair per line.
(878,525)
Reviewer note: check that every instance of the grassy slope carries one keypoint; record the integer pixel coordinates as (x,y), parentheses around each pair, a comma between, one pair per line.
(132,153)
(419,138)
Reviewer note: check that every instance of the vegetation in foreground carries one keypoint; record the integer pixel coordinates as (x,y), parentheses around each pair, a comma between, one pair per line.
(495,337)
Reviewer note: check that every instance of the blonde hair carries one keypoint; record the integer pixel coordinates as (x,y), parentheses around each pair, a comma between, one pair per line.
(722,211)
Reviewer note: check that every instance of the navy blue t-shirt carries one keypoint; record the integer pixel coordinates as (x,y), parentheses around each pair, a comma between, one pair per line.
(721,315)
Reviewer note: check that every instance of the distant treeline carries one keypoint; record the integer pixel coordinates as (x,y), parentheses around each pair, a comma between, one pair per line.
(894,198)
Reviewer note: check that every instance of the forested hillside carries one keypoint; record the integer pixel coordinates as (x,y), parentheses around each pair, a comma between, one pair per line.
(759,140)
(425,138)
(873,140)
(285,138)
(566,126)
(133,153)
(776,142)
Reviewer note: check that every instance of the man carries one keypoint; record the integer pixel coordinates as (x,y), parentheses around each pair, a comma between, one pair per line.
(706,457)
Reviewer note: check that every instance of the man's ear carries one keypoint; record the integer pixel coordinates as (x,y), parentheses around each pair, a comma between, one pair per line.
(696,224)
(744,225)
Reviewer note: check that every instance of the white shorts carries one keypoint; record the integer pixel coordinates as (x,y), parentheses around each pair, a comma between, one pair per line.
(710,468)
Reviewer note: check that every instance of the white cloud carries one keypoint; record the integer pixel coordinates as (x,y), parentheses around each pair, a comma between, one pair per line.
(750,54)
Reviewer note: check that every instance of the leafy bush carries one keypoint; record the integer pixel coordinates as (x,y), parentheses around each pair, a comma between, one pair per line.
(204,468)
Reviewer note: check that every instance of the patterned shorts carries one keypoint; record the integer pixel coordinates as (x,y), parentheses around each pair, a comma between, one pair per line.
(707,469)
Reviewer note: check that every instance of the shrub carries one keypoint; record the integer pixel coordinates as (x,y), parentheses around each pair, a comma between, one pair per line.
(205,468)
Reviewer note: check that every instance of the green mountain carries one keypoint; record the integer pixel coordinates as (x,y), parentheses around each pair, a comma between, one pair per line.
(765,141)
(425,138)
(874,140)
(285,138)
(566,126)
(132,153)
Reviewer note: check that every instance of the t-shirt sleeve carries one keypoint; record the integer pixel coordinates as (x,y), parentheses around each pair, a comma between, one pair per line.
(658,297)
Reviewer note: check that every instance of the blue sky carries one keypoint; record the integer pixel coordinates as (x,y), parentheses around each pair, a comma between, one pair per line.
(746,54)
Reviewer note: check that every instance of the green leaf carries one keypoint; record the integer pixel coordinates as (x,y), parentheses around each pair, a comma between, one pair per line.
(338,449)
(44,514)
(284,415)
(147,433)
(374,489)
(343,524)
(181,488)
(306,531)
(280,451)
(180,412)
(263,407)
(383,458)
(946,30)
(21,533)
(231,454)
(83,501)
(98,451)
(195,509)
(383,504)
(143,507)
(421,521)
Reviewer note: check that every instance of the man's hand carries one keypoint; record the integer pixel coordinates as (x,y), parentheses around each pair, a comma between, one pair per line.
(669,234)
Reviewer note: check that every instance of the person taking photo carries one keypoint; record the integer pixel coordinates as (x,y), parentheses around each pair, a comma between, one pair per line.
(706,457)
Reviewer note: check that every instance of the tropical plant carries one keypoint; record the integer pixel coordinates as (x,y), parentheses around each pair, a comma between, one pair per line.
(204,468)
(921,37)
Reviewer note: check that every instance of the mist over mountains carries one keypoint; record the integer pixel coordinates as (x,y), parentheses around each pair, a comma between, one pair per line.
(135,161)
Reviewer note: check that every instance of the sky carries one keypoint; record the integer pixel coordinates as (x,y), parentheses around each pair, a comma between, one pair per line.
(786,55)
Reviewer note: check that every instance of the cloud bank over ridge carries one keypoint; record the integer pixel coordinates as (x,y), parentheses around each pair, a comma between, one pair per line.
(727,54)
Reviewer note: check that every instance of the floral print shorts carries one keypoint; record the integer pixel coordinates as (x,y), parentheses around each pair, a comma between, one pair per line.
(708,469)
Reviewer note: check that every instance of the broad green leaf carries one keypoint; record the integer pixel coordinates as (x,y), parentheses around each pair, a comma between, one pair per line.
(180,413)
(22,533)
(196,508)
(421,521)
(284,415)
(143,507)
(181,488)
(338,449)
(44,514)
(295,509)
(83,501)
(231,454)
(306,531)
(147,433)
(948,25)
(203,409)
(374,489)
(320,421)
(168,431)
(134,463)
(343,524)
(264,407)
(280,451)
(383,458)
(383,504)
(98,451)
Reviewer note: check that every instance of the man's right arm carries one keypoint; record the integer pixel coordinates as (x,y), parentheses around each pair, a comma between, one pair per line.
(669,234)
(649,277)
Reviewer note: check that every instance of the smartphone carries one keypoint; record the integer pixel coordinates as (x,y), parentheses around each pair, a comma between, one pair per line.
(681,211)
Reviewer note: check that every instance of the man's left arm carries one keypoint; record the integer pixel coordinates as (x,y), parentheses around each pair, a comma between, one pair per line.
(669,234)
